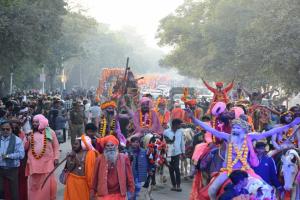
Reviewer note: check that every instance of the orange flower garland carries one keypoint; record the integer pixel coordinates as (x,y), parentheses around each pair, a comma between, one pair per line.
(242,155)
(32,147)
(161,118)
(214,126)
(104,126)
(146,123)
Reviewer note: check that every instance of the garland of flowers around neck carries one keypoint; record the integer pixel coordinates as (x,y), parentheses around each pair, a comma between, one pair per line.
(161,118)
(242,155)
(32,146)
(214,121)
(287,135)
(104,126)
(146,123)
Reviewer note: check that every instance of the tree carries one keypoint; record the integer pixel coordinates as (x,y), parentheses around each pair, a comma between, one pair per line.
(253,41)
(27,30)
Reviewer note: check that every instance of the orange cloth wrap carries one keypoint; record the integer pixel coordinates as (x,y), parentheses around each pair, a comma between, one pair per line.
(110,138)
(78,187)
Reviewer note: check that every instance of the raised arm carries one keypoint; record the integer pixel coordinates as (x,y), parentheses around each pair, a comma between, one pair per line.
(208,86)
(206,127)
(273,131)
(229,87)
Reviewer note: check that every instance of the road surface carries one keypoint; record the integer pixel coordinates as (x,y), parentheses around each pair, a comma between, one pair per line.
(161,191)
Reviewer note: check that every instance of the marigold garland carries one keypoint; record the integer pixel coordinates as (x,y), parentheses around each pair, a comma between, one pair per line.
(146,123)
(214,126)
(161,118)
(242,155)
(32,146)
(287,135)
(104,126)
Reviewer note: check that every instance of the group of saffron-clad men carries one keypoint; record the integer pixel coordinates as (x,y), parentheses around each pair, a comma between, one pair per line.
(106,164)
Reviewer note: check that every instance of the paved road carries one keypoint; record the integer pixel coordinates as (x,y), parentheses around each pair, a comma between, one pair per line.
(161,191)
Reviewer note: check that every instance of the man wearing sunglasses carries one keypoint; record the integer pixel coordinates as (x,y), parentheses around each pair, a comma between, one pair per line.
(11,152)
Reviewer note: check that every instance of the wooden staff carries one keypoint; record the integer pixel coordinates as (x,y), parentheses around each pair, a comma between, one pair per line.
(53,171)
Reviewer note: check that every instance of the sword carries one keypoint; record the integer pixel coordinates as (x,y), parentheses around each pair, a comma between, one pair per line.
(53,171)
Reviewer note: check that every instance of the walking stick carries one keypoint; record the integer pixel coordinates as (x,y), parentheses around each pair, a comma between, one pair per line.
(53,171)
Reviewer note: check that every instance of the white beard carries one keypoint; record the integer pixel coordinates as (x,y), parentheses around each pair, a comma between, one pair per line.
(111,156)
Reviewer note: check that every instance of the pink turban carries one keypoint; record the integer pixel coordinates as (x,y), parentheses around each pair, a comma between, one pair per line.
(218,108)
(86,143)
(43,121)
(146,99)
(238,112)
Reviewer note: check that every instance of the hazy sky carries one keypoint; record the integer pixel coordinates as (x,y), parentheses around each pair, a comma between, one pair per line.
(144,15)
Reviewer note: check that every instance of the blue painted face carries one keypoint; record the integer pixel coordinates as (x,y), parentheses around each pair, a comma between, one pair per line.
(237,130)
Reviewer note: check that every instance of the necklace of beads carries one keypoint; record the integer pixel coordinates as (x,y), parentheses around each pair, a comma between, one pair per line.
(35,155)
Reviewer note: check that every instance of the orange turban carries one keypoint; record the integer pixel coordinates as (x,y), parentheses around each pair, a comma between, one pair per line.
(110,138)
(107,104)
(191,102)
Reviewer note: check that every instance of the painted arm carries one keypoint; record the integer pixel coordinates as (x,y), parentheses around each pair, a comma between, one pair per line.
(213,131)
(208,86)
(254,161)
(275,144)
(273,131)
(229,87)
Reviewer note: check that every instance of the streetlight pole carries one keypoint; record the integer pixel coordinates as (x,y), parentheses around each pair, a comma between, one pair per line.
(43,80)
(80,76)
(63,77)
(11,83)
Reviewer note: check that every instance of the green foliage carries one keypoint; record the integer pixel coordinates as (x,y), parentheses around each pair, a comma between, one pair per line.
(256,42)
(43,33)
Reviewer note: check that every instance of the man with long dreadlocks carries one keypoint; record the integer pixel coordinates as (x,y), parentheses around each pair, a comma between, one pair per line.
(239,152)
(109,124)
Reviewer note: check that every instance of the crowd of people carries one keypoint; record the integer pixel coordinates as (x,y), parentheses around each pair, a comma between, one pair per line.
(120,146)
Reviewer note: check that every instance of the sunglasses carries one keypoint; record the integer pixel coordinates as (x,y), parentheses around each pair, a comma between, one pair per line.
(5,129)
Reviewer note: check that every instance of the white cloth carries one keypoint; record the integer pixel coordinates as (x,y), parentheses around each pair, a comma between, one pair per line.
(178,147)
(95,111)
